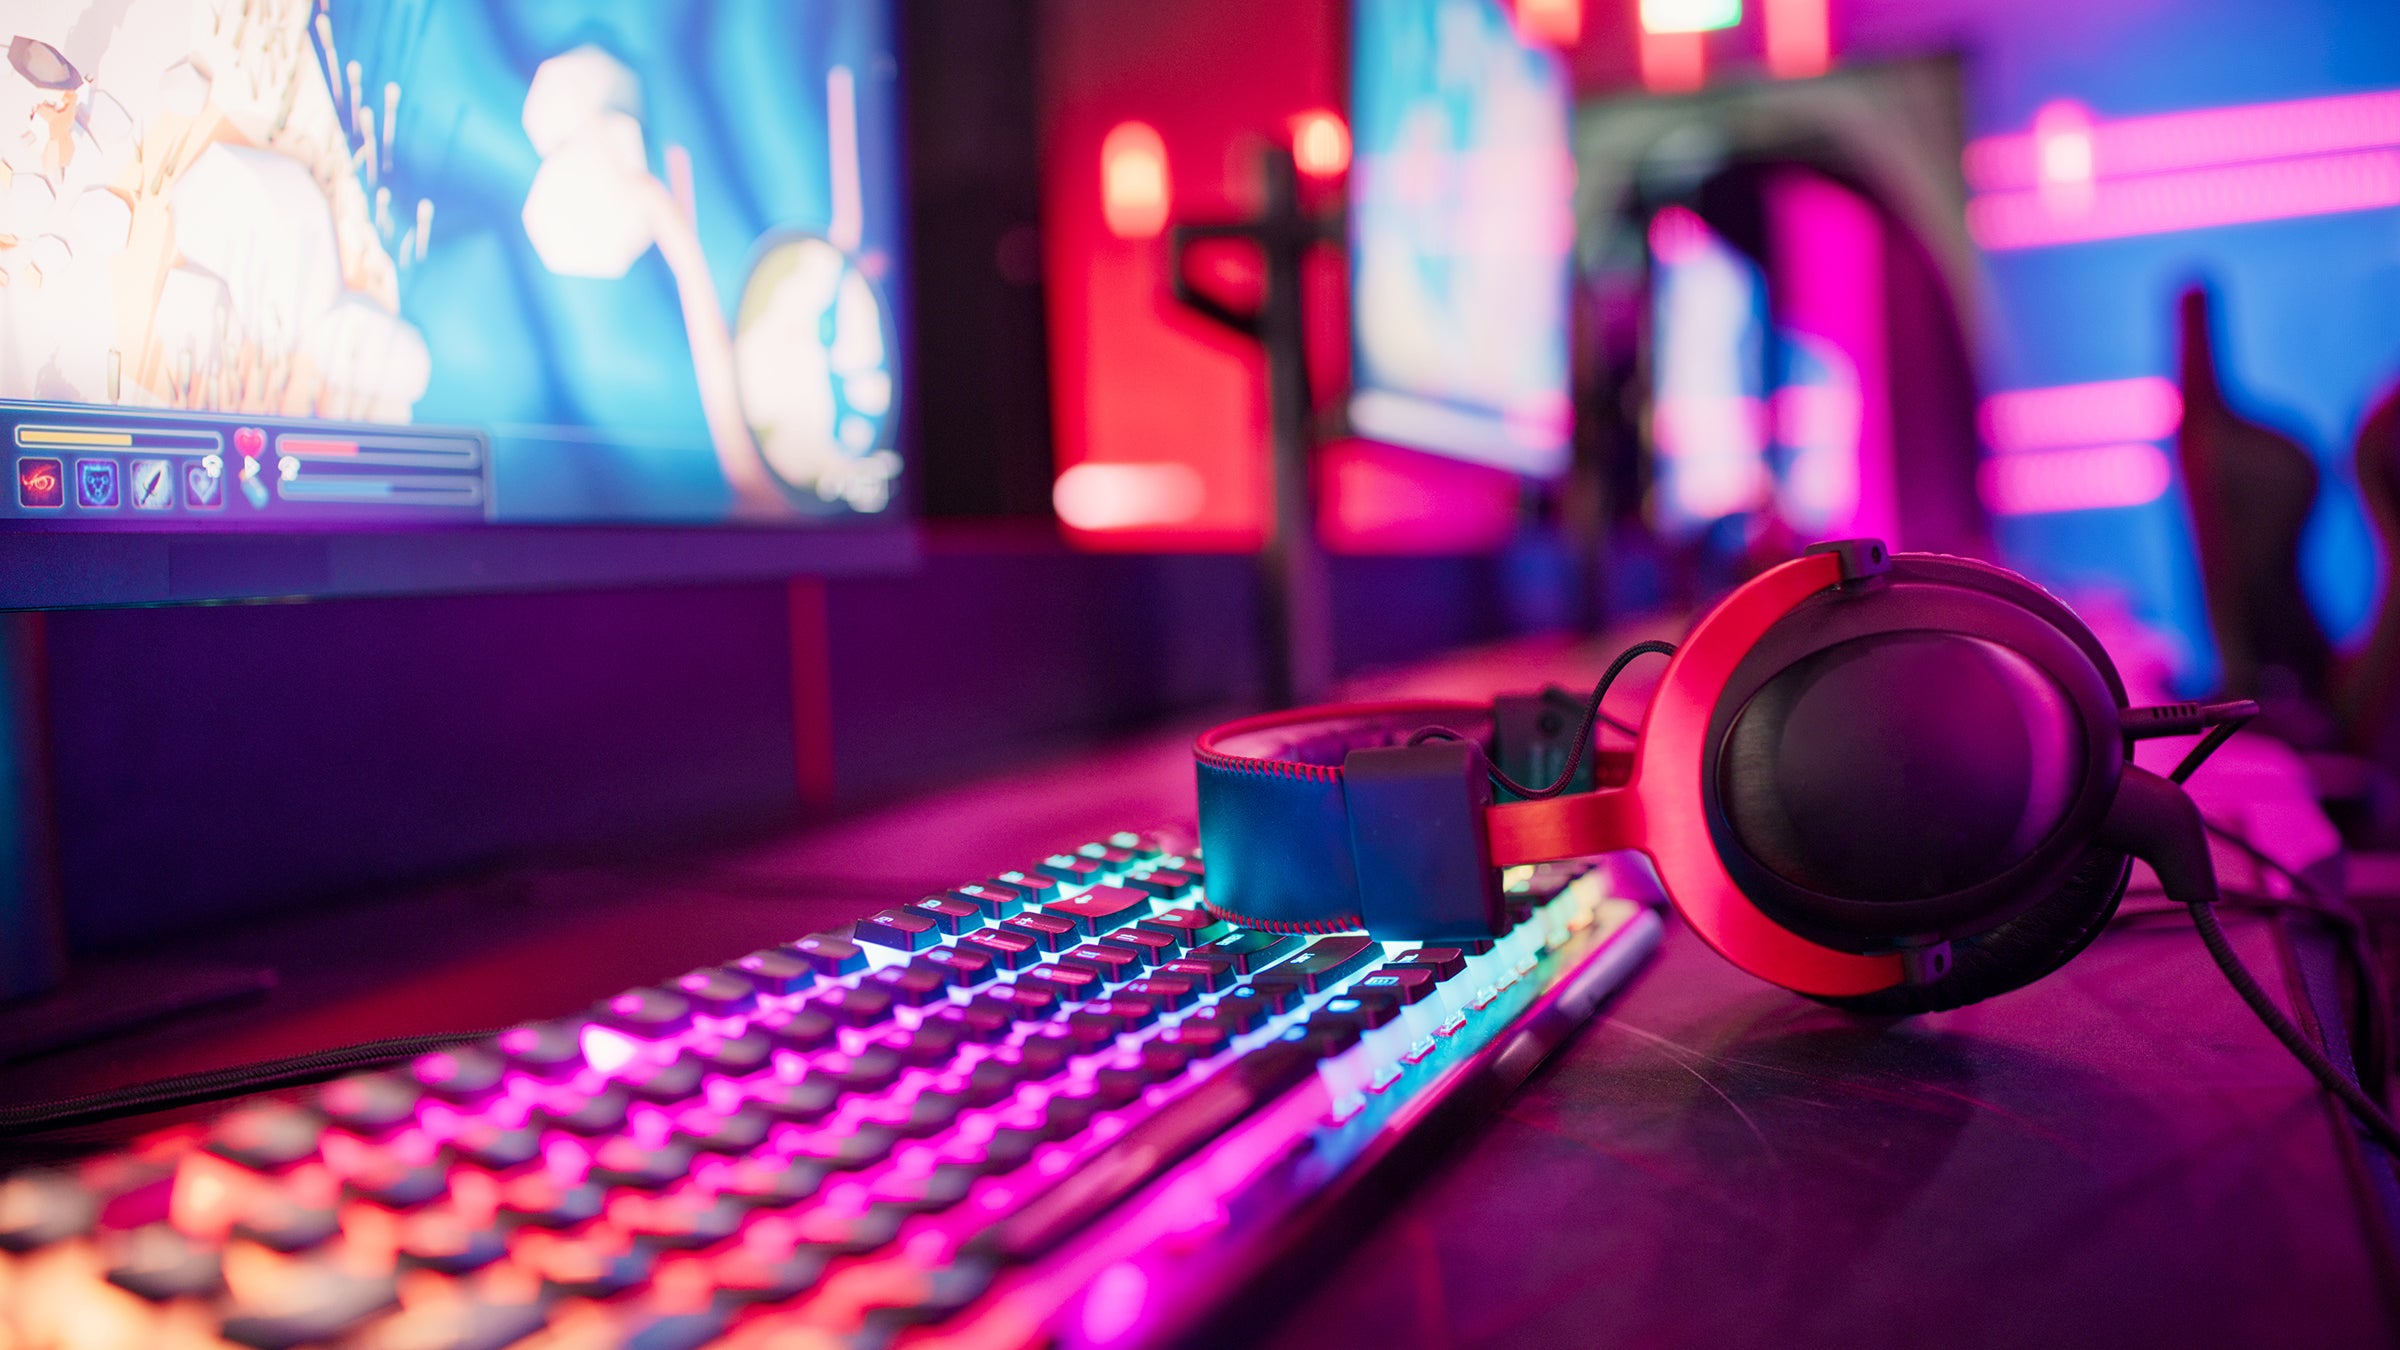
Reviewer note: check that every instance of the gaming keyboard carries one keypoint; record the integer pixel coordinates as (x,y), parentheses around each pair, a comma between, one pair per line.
(1066,1106)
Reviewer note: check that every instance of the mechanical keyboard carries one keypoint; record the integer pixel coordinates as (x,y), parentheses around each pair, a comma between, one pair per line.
(1066,1106)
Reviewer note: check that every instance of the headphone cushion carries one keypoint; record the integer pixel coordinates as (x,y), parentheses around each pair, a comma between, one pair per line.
(2018,952)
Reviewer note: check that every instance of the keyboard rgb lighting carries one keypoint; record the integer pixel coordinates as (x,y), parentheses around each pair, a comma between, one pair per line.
(1065,1106)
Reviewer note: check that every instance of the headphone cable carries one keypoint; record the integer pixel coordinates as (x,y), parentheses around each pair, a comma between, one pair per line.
(2363,1108)
(1583,734)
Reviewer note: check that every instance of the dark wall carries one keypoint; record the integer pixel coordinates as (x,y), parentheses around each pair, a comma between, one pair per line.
(222,761)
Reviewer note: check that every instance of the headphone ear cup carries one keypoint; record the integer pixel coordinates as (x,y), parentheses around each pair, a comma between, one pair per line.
(2018,952)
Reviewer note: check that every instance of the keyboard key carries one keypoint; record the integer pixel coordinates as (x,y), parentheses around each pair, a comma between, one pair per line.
(1198,1039)
(748,1274)
(1248,950)
(1090,1030)
(718,992)
(1409,984)
(1101,909)
(1237,1015)
(976,1023)
(1152,945)
(478,1141)
(539,1199)
(375,1104)
(1143,847)
(479,1321)
(665,1084)
(1195,925)
(598,1113)
(1068,982)
(1008,950)
(911,986)
(157,1263)
(652,1014)
(924,1192)
(1210,975)
(1038,889)
(860,1007)
(1165,991)
(441,1239)
(964,967)
(304,1302)
(624,1161)
(929,1045)
(905,930)
(1163,884)
(1327,1034)
(1445,962)
(39,1208)
(995,899)
(267,1137)
(1112,963)
(1131,1014)
(595,1263)
(850,1148)
(1050,932)
(951,915)
(682,1218)
(1330,960)
(807,1100)
(1142,1153)
(734,1057)
(1280,995)
(1114,859)
(280,1223)
(848,1233)
(776,972)
(1019,1002)
(1369,1009)
(549,1052)
(871,1071)
(831,954)
(464,1075)
(775,1181)
(1068,869)
(804,1030)
(738,1132)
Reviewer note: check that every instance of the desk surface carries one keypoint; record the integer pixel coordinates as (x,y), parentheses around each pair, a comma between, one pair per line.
(2117,1155)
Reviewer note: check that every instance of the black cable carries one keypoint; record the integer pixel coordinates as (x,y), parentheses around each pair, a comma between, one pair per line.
(191,1089)
(1583,734)
(2363,1108)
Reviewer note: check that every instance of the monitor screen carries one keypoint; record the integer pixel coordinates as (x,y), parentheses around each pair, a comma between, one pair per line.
(349,265)
(1461,228)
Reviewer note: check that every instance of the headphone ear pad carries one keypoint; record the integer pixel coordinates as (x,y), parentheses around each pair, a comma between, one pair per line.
(2018,952)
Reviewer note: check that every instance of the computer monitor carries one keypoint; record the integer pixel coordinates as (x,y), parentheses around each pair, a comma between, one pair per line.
(1461,229)
(361,296)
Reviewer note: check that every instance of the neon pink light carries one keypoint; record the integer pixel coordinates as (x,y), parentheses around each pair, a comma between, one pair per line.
(1114,1303)
(2205,138)
(2045,481)
(2161,203)
(2063,149)
(608,1050)
(2145,409)
(1799,38)
(1677,235)
(1827,244)
(1673,63)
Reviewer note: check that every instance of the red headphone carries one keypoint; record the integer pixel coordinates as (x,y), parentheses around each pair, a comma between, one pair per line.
(1899,783)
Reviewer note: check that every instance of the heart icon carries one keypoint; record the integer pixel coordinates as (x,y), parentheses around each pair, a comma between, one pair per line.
(251,441)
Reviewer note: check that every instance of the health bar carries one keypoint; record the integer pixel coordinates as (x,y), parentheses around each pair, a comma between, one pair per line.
(157,439)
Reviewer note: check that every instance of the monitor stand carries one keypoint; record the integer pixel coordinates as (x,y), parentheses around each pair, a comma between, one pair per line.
(1296,632)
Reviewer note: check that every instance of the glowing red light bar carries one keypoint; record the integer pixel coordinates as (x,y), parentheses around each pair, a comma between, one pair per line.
(1320,144)
(2204,138)
(1674,63)
(1135,195)
(1557,22)
(2045,481)
(1799,38)
(2165,202)
(2145,409)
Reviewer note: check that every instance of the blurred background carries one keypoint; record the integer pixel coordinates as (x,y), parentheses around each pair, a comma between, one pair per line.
(1472,319)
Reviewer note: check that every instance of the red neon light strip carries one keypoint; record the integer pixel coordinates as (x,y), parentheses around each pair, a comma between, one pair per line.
(2204,138)
(2161,203)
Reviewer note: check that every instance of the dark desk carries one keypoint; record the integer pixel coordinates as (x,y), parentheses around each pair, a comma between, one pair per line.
(2117,1156)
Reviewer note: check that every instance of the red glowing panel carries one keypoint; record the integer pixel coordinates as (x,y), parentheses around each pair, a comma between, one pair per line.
(1320,144)
(1382,499)
(2148,408)
(1135,194)
(2040,482)
(1674,63)
(2195,199)
(1799,38)
(1557,22)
